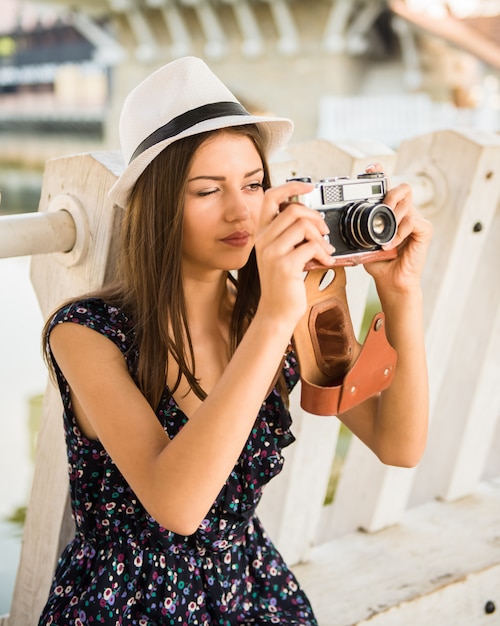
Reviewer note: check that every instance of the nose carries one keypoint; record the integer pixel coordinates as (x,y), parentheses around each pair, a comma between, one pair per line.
(237,208)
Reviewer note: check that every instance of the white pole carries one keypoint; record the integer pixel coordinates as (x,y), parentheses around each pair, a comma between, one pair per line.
(36,233)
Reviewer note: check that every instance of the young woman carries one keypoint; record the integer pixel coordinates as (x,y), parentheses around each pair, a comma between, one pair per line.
(173,379)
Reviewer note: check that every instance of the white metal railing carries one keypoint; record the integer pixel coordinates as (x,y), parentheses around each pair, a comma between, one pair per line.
(456,176)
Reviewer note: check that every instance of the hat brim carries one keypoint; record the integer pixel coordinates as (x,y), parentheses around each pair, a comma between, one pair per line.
(276,131)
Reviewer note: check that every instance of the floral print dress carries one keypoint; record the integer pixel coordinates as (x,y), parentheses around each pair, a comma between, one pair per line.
(122,567)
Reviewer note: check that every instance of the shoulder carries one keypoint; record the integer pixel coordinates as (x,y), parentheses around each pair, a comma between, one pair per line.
(98,315)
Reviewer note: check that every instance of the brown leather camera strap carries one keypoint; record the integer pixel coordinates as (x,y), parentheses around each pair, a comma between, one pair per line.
(337,372)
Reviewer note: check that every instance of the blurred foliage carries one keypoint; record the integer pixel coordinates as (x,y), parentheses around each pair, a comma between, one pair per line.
(17,517)
(7,46)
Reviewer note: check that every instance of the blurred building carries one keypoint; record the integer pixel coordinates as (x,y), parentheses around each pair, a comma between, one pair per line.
(374,69)
(49,80)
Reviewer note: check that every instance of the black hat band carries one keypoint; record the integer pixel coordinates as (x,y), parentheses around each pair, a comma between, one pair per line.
(188,119)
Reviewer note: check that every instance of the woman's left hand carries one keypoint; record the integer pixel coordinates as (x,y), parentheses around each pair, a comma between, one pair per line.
(412,240)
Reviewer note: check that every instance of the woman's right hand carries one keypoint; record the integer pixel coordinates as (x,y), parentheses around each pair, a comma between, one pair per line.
(291,236)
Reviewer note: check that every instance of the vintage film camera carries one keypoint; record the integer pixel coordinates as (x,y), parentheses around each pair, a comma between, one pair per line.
(359,222)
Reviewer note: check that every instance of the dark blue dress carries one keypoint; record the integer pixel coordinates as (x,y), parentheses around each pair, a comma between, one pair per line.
(123,568)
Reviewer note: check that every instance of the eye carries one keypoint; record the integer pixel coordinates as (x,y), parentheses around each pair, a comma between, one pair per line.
(206,192)
(255,186)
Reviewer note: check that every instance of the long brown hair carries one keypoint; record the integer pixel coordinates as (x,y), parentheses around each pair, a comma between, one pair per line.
(148,285)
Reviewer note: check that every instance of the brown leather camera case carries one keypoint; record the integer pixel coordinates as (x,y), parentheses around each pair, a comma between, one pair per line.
(337,372)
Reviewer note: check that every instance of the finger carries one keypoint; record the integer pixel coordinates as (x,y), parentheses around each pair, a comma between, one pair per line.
(413,225)
(405,228)
(293,213)
(296,233)
(299,228)
(374,167)
(400,200)
(310,255)
(399,195)
(276,197)
(416,226)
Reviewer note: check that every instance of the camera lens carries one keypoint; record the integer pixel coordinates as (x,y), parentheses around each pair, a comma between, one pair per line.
(366,225)
(379,225)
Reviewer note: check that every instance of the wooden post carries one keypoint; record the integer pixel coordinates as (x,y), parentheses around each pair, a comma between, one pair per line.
(83,181)
(463,340)
(465,171)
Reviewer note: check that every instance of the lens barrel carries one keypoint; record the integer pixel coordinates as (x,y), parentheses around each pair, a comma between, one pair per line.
(366,225)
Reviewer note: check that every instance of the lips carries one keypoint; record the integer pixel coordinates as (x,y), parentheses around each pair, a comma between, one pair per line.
(237,239)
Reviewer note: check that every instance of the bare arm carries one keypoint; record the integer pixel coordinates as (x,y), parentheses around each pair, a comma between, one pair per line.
(394,424)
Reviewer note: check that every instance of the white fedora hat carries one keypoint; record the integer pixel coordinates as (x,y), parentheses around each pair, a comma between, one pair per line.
(180,99)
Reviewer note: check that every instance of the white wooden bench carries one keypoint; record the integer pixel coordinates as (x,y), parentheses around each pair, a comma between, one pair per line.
(395,546)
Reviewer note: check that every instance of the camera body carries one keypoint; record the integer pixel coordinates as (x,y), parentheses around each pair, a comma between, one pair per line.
(359,222)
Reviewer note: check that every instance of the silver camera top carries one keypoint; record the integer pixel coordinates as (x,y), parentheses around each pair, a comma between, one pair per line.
(338,190)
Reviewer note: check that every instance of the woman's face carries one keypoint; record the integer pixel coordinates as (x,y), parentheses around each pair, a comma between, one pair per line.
(223,202)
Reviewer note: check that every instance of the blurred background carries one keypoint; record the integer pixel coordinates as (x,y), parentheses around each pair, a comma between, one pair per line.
(343,70)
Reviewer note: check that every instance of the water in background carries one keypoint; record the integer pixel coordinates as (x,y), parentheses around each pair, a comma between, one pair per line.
(22,379)
(20,189)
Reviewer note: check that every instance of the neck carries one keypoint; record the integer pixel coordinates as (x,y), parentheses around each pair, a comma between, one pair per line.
(208,299)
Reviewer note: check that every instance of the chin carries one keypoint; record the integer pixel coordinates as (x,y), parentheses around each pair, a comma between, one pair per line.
(237,262)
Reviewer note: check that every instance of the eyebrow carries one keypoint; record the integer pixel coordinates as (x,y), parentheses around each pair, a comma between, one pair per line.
(222,178)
